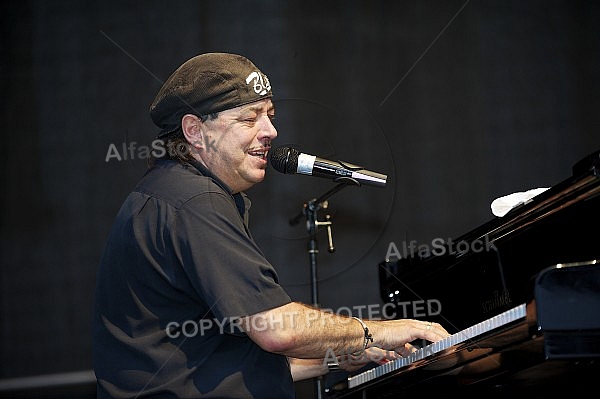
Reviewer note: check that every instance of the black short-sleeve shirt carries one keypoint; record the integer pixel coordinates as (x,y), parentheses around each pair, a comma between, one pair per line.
(178,271)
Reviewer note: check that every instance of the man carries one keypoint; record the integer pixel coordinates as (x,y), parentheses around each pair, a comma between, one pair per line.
(186,304)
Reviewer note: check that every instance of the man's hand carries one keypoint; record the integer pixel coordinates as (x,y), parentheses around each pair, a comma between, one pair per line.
(374,355)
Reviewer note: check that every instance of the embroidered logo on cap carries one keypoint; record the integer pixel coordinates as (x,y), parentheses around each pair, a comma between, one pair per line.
(261,83)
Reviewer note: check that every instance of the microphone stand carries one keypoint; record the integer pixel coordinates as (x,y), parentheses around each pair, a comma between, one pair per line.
(310,212)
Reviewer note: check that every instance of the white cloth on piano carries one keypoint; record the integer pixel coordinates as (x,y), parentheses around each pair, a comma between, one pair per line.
(501,206)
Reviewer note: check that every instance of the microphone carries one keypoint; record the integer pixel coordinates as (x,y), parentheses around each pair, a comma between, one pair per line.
(289,160)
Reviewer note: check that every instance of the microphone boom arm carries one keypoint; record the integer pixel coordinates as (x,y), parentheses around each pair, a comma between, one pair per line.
(315,204)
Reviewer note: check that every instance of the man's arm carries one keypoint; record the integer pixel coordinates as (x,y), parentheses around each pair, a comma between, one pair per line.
(303,369)
(300,331)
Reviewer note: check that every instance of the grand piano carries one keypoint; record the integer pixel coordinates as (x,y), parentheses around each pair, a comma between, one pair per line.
(523,309)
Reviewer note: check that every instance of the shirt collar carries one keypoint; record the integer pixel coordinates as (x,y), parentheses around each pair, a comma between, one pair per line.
(238,197)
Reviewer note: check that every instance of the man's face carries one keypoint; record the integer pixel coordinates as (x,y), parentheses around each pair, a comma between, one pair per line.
(239,141)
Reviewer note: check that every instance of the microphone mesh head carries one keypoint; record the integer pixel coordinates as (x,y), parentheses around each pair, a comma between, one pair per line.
(284,159)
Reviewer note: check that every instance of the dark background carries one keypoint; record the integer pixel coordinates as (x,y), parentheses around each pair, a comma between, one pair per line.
(458,102)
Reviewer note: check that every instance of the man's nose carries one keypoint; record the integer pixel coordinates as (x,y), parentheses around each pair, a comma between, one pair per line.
(267,129)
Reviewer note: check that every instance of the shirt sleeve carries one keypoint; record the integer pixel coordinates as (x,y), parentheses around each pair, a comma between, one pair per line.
(223,262)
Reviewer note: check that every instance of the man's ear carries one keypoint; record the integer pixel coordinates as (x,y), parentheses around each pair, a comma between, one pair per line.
(191,127)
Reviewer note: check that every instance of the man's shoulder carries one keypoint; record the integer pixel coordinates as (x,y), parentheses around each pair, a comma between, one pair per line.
(176,183)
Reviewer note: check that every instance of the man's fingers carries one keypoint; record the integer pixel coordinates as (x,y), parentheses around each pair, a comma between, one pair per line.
(432,331)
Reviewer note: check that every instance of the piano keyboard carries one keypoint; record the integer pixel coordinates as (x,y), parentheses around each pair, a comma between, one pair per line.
(485,326)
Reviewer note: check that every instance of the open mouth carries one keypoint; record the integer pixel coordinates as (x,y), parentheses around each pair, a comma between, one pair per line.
(260,153)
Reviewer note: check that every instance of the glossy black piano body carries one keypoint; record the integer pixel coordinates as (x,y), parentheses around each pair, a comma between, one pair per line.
(560,225)
(559,340)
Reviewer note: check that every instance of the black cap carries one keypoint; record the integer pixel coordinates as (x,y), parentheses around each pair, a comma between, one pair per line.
(205,84)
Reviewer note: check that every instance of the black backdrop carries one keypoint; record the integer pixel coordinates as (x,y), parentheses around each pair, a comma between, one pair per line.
(458,102)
